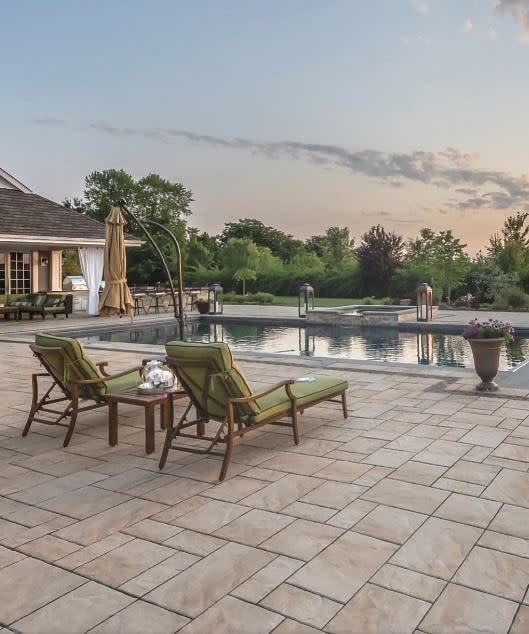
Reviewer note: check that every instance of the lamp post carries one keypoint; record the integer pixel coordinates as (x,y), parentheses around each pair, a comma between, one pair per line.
(178,309)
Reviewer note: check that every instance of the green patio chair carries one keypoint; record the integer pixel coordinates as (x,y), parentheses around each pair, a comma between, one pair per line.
(74,375)
(219,392)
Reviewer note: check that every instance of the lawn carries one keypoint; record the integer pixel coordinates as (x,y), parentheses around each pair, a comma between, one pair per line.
(329,302)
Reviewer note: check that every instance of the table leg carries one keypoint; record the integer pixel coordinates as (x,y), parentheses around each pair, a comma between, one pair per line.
(112,424)
(149,428)
(163,416)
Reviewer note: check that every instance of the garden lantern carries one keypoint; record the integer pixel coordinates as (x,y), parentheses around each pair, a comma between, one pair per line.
(215,299)
(306,299)
(424,302)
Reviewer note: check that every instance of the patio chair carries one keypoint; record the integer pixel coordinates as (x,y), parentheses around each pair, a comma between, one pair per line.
(74,375)
(219,392)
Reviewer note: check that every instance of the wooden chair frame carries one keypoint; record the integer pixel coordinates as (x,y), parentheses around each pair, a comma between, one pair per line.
(226,432)
(71,392)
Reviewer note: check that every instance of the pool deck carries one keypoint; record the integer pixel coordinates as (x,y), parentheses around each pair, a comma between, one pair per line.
(411,515)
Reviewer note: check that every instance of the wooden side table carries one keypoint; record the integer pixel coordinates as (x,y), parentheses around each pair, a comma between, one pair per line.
(148,402)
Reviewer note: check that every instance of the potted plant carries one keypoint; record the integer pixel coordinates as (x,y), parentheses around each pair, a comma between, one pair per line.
(202,306)
(486,339)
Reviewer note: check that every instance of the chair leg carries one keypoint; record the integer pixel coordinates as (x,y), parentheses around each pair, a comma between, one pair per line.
(295,426)
(229,448)
(74,410)
(169,432)
(344,405)
(35,404)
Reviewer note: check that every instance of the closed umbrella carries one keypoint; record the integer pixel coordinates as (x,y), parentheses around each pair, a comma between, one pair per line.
(116,298)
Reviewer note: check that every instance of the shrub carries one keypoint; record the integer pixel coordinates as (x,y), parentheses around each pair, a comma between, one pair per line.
(511,298)
(250,298)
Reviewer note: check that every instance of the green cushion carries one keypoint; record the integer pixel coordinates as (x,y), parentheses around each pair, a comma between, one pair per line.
(231,383)
(212,359)
(81,366)
(306,393)
(38,299)
(85,366)
(54,301)
(122,383)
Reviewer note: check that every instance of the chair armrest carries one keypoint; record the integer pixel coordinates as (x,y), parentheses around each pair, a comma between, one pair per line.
(254,397)
(103,379)
(102,365)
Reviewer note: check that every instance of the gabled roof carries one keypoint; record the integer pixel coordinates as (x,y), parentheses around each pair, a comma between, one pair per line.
(12,182)
(27,218)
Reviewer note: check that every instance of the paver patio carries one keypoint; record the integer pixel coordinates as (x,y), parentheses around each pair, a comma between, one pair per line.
(411,515)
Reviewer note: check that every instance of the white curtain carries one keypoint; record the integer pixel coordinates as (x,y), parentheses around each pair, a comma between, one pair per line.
(91,259)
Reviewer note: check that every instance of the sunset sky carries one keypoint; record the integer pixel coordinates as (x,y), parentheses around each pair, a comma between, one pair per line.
(304,114)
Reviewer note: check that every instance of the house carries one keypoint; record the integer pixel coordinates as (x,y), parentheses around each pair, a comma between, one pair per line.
(33,233)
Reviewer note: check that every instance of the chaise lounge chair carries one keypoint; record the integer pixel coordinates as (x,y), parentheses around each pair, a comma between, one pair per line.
(219,392)
(76,376)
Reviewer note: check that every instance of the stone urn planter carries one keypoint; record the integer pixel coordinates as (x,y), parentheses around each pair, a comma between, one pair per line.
(486,353)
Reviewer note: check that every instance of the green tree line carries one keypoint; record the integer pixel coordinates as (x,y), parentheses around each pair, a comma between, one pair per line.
(251,256)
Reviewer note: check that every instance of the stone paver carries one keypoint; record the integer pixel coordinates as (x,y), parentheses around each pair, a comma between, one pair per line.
(409,516)
(376,609)
(460,609)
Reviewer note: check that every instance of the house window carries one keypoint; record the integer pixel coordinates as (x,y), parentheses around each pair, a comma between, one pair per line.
(20,273)
(2,274)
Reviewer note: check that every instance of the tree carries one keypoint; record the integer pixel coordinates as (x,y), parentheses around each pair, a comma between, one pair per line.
(511,249)
(339,247)
(444,257)
(282,245)
(488,280)
(241,256)
(450,263)
(335,247)
(75,204)
(379,255)
(150,198)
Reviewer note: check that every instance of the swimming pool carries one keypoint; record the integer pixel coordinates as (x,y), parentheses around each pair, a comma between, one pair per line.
(373,344)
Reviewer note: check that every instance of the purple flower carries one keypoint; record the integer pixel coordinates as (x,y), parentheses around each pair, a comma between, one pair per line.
(490,329)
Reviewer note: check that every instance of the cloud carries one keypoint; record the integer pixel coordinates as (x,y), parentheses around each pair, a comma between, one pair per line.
(51,121)
(421,6)
(448,169)
(519,10)
(468,26)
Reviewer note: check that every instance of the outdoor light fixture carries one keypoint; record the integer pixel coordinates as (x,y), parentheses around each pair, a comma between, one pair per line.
(215,299)
(306,299)
(424,302)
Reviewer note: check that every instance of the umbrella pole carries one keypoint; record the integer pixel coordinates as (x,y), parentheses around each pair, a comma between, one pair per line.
(178,312)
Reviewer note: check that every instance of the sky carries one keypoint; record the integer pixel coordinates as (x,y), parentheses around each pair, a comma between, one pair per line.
(303,114)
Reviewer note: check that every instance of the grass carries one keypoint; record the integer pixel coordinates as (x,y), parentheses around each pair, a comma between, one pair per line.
(329,302)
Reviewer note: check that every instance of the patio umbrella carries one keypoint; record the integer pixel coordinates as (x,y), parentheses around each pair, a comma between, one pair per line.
(116,298)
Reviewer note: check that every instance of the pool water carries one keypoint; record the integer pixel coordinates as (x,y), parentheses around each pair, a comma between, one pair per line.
(373,344)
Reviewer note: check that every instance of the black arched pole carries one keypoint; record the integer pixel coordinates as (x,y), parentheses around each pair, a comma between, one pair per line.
(178,311)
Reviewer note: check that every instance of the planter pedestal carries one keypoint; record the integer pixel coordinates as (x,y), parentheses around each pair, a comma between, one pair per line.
(486,353)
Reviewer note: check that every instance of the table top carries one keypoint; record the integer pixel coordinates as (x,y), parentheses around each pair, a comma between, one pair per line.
(132,397)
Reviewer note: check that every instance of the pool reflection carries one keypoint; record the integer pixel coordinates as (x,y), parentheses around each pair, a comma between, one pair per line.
(375,344)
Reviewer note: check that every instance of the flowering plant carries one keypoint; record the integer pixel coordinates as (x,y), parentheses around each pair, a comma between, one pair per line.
(490,329)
